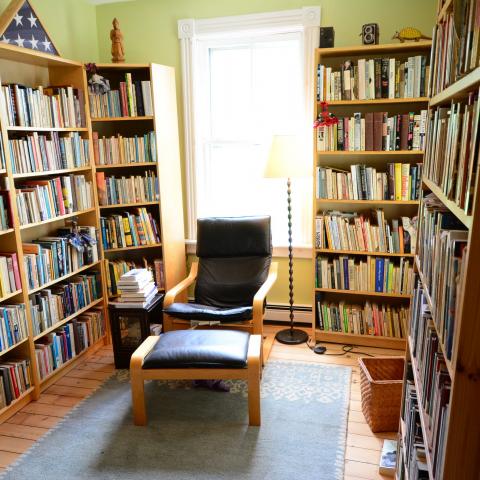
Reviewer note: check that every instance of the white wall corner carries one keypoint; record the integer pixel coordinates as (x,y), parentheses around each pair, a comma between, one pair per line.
(311,16)
(186,28)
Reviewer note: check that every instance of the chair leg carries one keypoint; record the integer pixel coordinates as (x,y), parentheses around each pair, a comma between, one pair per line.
(138,398)
(254,370)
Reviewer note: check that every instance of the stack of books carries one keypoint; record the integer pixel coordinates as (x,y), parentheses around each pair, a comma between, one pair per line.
(137,288)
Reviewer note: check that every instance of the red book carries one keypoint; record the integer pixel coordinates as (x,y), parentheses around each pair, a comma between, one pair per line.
(378,131)
(404,131)
(101,188)
(96,150)
(369,131)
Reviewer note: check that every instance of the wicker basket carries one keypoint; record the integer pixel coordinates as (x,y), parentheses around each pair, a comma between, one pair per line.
(381,387)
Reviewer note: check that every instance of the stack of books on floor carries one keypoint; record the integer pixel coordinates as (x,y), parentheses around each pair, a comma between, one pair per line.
(137,289)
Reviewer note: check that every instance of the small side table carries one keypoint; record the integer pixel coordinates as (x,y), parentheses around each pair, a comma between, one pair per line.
(131,326)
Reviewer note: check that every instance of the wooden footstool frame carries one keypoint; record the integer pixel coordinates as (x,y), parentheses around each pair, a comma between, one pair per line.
(252,373)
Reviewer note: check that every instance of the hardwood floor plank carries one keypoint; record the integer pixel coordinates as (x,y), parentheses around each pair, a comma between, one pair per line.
(78,382)
(356,416)
(364,441)
(362,470)
(15,445)
(44,421)
(78,392)
(95,367)
(6,458)
(22,431)
(51,399)
(88,374)
(360,454)
(43,409)
(101,359)
(356,405)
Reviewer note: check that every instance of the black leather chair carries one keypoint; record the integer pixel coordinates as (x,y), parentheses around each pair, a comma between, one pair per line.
(233,275)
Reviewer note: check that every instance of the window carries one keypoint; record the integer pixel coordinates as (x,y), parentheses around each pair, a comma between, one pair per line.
(247,86)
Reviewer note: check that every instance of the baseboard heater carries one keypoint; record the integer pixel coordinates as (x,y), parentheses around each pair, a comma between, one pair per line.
(281,314)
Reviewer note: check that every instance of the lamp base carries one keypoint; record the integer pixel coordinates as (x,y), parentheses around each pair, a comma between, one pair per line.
(291,336)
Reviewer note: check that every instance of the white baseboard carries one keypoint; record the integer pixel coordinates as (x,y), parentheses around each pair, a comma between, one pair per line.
(280,313)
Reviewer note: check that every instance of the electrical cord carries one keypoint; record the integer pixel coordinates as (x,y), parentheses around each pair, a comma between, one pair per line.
(345,349)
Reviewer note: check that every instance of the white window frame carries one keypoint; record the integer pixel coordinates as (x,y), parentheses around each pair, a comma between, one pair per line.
(305,20)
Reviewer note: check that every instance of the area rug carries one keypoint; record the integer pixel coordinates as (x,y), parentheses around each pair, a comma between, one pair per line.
(202,434)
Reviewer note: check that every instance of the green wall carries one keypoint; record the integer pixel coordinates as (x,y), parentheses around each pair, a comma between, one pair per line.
(72,25)
(150,32)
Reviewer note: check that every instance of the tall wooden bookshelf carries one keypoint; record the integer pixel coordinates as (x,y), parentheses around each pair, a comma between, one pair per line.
(335,57)
(32,69)
(459,445)
(168,209)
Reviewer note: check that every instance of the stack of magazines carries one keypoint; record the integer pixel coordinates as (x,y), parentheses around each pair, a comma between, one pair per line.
(137,288)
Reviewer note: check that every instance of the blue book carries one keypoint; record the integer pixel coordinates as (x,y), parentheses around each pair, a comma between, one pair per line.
(346,280)
(379,268)
(69,345)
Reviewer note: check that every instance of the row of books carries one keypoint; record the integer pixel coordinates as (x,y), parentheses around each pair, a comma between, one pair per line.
(364,233)
(455,45)
(116,268)
(132,99)
(366,319)
(121,150)
(442,248)
(43,153)
(401,182)
(373,78)
(129,230)
(51,257)
(15,380)
(375,131)
(375,274)
(65,343)
(134,189)
(44,107)
(5,210)
(9,274)
(434,382)
(39,200)
(13,325)
(452,150)
(50,306)
(413,442)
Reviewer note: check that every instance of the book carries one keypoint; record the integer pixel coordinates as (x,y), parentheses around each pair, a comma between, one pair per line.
(13,325)
(388,458)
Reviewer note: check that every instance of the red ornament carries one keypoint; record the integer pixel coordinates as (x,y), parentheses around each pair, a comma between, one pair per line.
(325,118)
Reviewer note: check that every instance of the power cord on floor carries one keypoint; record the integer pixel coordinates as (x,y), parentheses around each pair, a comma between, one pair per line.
(320,350)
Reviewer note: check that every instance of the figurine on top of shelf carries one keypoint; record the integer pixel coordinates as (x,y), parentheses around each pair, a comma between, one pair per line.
(116,36)
(410,33)
(100,83)
(370,34)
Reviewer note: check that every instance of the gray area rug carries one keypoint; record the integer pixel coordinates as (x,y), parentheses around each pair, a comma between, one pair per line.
(201,434)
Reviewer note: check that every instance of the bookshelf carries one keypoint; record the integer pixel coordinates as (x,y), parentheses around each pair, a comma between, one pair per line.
(19,66)
(341,161)
(444,332)
(167,209)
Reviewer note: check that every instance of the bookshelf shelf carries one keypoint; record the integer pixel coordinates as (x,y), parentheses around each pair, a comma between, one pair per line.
(378,101)
(364,293)
(365,153)
(126,165)
(324,201)
(3,171)
(421,410)
(46,129)
(357,339)
(457,90)
(45,173)
(127,205)
(452,206)
(67,319)
(448,363)
(121,119)
(64,277)
(372,50)
(9,349)
(363,253)
(6,232)
(137,247)
(56,219)
(10,295)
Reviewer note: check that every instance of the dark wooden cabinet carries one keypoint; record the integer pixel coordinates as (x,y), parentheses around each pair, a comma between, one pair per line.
(130,327)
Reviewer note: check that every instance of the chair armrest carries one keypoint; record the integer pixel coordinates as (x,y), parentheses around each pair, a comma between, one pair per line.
(259,298)
(138,356)
(171,295)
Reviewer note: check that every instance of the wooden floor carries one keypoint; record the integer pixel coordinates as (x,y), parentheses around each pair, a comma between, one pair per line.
(21,431)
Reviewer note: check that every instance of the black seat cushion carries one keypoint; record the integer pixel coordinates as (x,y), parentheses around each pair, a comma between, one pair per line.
(195,311)
(234,254)
(199,349)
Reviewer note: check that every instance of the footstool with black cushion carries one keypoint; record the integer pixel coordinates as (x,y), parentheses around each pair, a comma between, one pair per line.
(197,355)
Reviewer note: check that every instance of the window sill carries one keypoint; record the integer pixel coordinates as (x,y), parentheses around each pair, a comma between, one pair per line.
(303,251)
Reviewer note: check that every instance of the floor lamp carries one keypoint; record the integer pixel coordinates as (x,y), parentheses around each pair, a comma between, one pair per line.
(285,160)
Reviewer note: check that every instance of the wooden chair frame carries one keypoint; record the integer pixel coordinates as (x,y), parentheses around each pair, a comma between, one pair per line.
(252,373)
(254,326)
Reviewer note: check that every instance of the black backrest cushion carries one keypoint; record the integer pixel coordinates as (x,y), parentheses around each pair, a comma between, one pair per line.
(233,237)
(235,254)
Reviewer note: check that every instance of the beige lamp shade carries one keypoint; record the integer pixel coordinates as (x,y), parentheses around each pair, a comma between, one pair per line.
(286,158)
